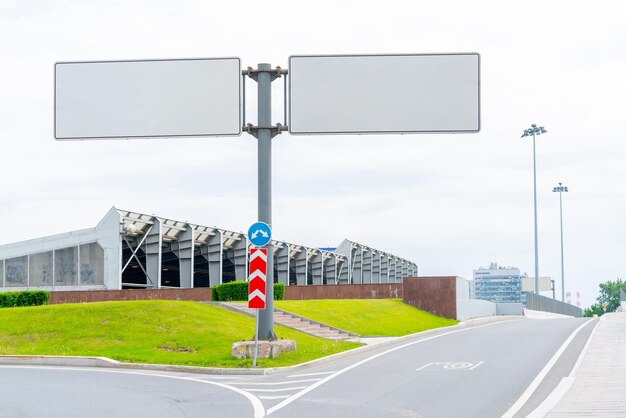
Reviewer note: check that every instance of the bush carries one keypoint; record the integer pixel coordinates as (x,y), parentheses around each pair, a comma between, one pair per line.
(238,291)
(279,291)
(25,298)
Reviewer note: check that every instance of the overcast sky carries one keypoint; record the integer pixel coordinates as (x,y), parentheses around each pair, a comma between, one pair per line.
(450,203)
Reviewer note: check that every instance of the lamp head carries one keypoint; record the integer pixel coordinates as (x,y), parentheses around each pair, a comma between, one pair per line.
(534,130)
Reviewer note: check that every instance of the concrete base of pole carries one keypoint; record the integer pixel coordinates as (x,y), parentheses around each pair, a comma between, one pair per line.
(266,349)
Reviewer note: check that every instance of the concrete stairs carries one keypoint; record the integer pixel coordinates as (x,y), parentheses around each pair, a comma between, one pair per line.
(294,321)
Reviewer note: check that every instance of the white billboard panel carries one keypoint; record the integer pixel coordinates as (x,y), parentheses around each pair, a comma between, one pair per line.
(528,284)
(148,98)
(370,94)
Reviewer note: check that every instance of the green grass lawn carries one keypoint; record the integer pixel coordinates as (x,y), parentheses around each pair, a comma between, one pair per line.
(161,332)
(366,317)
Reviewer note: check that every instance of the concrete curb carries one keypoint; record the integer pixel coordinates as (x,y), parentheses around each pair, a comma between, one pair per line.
(77,361)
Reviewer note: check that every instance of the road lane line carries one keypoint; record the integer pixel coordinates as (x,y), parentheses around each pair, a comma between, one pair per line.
(286,382)
(514,409)
(269,398)
(274,390)
(553,398)
(257,405)
(564,385)
(310,374)
(423,367)
(584,350)
(342,371)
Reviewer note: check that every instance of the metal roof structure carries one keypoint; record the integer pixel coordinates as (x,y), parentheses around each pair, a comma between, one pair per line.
(130,249)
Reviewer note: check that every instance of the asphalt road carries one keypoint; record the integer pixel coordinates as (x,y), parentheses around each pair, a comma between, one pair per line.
(478,372)
(470,371)
(72,392)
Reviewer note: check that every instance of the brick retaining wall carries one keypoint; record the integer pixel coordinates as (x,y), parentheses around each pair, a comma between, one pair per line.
(200,294)
(352,291)
(432,294)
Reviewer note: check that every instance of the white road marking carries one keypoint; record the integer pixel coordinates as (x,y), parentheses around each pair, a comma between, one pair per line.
(259,410)
(274,397)
(423,367)
(274,390)
(514,409)
(584,350)
(344,370)
(477,364)
(452,365)
(553,398)
(564,385)
(310,374)
(287,382)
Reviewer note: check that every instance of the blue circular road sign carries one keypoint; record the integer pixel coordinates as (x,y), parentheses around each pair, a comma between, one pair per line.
(260,234)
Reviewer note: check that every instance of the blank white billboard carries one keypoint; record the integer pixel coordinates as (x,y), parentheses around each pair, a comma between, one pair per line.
(528,284)
(370,94)
(148,98)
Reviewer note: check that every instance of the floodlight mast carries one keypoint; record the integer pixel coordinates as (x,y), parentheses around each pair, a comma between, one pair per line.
(560,189)
(535,130)
(264,133)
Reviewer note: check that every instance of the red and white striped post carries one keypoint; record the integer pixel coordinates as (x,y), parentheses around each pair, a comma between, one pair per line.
(257,289)
(257,281)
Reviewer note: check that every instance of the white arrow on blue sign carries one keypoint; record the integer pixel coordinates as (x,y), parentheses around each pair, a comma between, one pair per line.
(260,234)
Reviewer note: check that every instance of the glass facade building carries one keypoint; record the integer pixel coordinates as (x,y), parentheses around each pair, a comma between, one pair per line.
(71,266)
(498,284)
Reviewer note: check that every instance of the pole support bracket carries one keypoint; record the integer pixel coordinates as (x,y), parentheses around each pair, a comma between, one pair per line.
(276,72)
(275,130)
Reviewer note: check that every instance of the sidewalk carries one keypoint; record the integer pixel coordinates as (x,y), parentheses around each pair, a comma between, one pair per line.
(599,384)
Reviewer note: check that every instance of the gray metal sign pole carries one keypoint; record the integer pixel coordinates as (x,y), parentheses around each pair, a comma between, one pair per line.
(264,133)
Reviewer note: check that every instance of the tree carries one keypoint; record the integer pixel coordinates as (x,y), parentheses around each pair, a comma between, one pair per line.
(609,294)
(595,309)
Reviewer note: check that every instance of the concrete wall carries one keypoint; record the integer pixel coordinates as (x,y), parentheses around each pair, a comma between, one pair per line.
(463,290)
(503,308)
(474,308)
(197,294)
(353,291)
(432,294)
(541,303)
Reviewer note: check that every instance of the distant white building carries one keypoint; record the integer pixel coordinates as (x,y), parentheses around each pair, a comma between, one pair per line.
(498,284)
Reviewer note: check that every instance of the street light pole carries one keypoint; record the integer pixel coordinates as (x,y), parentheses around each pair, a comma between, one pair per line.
(561,189)
(535,130)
